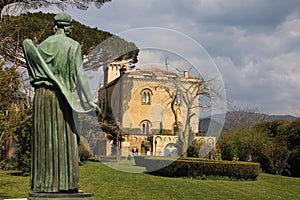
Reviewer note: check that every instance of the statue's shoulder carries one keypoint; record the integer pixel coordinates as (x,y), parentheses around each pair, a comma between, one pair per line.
(70,41)
(73,41)
(61,39)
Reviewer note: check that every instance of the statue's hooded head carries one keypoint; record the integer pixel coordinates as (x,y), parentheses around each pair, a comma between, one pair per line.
(64,21)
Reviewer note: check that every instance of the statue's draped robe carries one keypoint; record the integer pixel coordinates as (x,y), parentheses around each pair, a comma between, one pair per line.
(54,68)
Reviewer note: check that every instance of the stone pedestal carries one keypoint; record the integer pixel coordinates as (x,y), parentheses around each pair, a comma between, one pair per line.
(61,196)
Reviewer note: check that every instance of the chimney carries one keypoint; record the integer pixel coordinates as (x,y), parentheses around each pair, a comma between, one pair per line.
(185,74)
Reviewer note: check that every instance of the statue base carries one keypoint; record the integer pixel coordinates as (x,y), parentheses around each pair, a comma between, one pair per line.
(60,196)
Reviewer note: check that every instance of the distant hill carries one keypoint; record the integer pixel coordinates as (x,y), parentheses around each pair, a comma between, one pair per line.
(208,126)
(235,117)
(281,117)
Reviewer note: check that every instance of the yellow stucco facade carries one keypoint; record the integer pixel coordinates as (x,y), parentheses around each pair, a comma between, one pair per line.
(140,103)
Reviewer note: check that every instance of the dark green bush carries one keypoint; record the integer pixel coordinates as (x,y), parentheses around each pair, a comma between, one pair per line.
(152,163)
(24,164)
(139,161)
(8,164)
(189,167)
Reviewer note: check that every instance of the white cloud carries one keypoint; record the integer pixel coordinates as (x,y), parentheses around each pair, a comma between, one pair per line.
(255,44)
(246,13)
(271,85)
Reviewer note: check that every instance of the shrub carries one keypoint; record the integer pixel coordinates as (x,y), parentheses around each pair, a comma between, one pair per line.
(84,150)
(139,161)
(24,164)
(189,167)
(8,164)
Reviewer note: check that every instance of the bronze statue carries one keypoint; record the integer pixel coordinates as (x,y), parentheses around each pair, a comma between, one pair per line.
(56,72)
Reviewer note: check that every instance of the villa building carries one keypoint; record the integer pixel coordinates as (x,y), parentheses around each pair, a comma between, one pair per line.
(140,102)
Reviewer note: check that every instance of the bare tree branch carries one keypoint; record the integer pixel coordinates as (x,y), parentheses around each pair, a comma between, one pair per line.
(60,4)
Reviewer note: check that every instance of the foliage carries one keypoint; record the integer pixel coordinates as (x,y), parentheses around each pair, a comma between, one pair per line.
(62,4)
(241,144)
(39,26)
(274,144)
(23,140)
(139,160)
(293,142)
(113,133)
(193,167)
(9,86)
(15,121)
(194,149)
(142,186)
(8,164)
(84,151)
(282,145)
(112,49)
(239,141)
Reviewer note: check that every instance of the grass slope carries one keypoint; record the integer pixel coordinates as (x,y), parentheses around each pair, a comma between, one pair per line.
(107,183)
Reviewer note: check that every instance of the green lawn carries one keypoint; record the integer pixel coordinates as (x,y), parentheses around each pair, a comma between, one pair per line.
(107,183)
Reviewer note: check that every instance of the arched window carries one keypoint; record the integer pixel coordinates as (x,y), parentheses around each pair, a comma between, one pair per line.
(145,127)
(146,96)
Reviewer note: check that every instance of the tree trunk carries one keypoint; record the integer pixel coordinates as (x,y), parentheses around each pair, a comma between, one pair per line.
(185,139)
(119,157)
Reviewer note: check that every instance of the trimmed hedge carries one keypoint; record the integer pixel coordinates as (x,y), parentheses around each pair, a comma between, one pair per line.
(194,167)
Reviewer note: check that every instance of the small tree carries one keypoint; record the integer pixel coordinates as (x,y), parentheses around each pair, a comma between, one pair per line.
(15,120)
(113,133)
(183,97)
(276,149)
(22,136)
(9,86)
(239,141)
(293,136)
(11,36)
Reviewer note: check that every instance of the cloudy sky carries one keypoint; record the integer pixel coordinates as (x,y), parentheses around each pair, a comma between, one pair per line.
(255,44)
